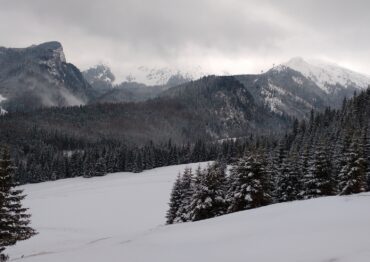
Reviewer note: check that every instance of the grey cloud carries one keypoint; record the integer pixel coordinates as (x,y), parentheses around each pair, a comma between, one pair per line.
(131,33)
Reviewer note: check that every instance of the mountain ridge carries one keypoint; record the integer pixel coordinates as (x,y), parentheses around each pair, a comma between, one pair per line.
(40,76)
(328,75)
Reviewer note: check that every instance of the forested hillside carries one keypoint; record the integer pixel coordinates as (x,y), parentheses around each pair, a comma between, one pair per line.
(327,155)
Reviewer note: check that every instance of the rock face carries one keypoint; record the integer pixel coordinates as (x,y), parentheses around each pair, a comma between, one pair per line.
(39,76)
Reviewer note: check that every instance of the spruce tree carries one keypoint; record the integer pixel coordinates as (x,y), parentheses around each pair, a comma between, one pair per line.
(318,180)
(175,201)
(14,218)
(248,185)
(352,178)
(340,153)
(366,153)
(288,184)
(100,167)
(182,214)
(208,198)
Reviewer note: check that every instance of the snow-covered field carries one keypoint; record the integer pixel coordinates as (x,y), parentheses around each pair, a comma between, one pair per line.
(120,217)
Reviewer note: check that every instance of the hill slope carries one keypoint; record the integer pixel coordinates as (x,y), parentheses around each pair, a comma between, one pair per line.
(210,108)
(120,217)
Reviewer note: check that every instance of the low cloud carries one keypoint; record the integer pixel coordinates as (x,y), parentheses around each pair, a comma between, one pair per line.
(233,36)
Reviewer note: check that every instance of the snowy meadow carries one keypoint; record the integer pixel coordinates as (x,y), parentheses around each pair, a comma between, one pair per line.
(123,215)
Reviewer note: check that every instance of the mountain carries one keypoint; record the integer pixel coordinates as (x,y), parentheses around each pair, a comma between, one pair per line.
(39,76)
(293,88)
(213,107)
(210,108)
(165,75)
(100,78)
(227,107)
(296,87)
(285,92)
(331,78)
(130,92)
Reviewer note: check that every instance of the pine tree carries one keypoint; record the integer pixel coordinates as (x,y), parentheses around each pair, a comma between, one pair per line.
(288,184)
(182,214)
(208,198)
(100,167)
(249,186)
(88,166)
(340,155)
(318,180)
(272,174)
(366,153)
(352,178)
(175,201)
(14,218)
(138,163)
(180,198)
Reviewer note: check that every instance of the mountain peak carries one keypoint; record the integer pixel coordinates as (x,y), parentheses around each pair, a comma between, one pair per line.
(52,50)
(53,45)
(100,72)
(297,62)
(328,76)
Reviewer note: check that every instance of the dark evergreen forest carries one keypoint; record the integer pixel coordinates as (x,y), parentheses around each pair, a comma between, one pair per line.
(327,155)
(54,143)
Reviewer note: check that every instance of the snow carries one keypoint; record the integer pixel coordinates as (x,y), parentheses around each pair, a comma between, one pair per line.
(2,110)
(298,80)
(160,75)
(2,98)
(120,217)
(326,74)
(271,97)
(233,139)
(101,72)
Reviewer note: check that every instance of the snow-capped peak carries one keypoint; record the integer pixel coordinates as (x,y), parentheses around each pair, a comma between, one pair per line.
(327,75)
(101,73)
(161,76)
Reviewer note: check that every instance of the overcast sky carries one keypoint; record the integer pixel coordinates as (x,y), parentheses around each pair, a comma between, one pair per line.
(219,36)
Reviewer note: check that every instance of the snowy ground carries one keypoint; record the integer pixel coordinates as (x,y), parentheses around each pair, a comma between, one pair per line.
(120,217)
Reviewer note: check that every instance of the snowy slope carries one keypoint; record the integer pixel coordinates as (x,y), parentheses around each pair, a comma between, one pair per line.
(326,74)
(120,218)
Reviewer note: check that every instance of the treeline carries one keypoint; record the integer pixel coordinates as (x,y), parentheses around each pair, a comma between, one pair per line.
(63,157)
(327,155)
